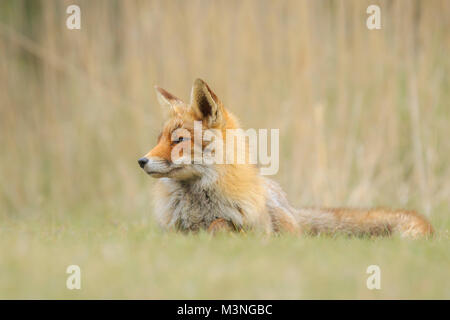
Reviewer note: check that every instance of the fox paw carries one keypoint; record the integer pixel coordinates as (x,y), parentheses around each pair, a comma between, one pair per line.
(220,225)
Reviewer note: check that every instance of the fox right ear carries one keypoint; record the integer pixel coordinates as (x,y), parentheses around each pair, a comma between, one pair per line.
(165,98)
(205,104)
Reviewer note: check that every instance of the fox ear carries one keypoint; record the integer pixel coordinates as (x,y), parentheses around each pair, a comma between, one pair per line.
(165,98)
(205,104)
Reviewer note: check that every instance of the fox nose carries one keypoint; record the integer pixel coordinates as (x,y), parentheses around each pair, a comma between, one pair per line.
(142,162)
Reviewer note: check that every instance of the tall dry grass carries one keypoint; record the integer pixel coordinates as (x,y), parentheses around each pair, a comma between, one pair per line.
(363,115)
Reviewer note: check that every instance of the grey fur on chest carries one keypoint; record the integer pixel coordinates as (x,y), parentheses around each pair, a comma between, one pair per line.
(193,207)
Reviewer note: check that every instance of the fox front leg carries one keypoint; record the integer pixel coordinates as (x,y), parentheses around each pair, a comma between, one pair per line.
(221,225)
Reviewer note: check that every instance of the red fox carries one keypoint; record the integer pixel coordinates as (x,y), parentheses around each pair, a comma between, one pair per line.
(192,196)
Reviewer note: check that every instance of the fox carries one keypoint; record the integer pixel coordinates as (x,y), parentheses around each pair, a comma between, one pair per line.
(191,196)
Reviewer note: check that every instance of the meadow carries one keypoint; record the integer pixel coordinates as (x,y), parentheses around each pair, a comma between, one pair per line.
(364,119)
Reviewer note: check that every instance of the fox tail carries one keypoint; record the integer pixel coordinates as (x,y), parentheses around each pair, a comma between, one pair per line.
(362,222)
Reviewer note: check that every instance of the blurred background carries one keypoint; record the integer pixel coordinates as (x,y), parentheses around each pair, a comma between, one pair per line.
(363,114)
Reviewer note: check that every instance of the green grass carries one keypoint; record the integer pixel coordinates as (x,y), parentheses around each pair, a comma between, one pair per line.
(133,259)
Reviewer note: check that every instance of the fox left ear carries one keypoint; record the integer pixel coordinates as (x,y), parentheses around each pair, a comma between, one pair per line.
(165,98)
(205,104)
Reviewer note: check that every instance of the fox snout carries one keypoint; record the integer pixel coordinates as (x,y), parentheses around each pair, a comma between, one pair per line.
(156,167)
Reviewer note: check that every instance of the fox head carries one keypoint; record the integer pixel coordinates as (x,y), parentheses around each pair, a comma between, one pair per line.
(174,154)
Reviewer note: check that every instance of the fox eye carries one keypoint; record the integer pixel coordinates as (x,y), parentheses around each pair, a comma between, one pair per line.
(180,139)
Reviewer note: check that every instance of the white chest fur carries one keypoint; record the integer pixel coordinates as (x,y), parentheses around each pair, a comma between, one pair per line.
(193,206)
